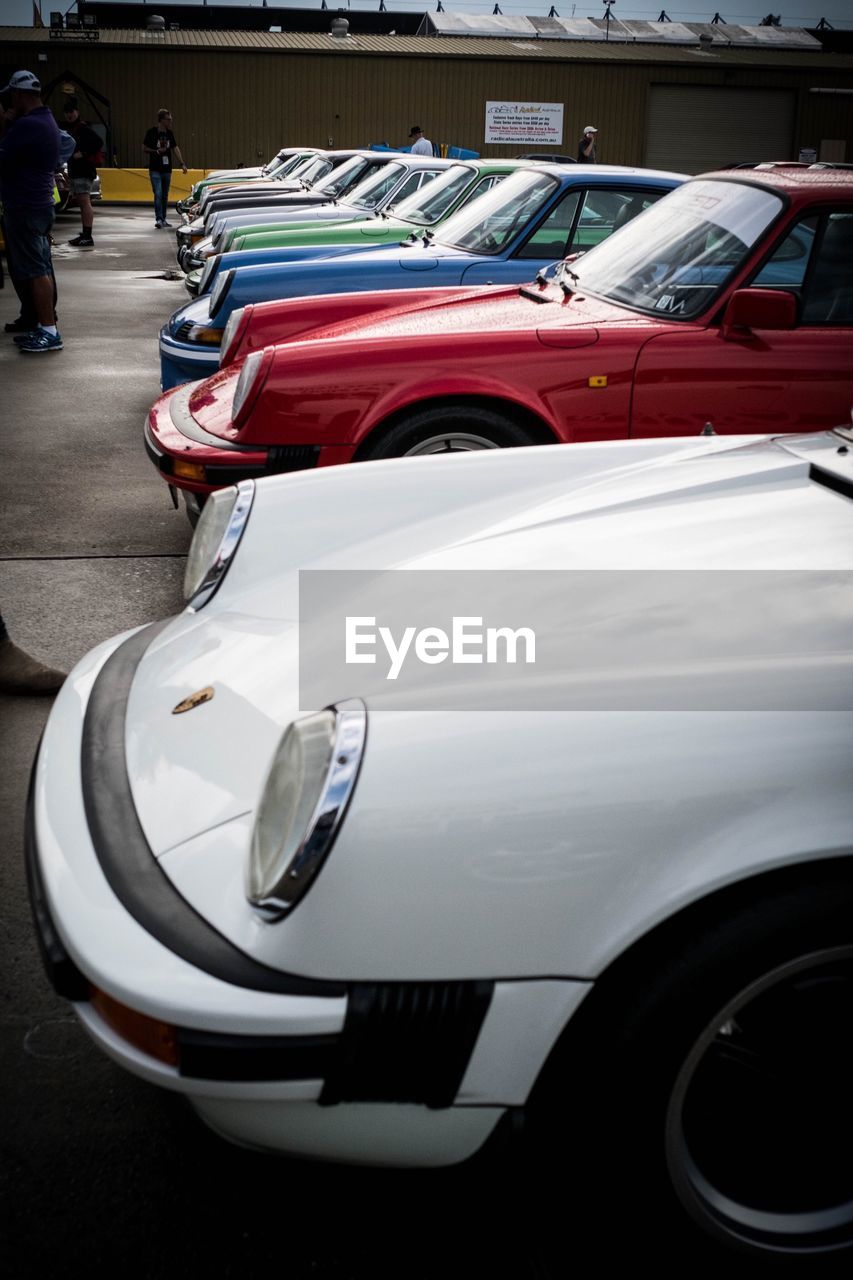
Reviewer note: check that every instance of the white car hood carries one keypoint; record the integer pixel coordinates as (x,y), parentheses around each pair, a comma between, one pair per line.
(672,504)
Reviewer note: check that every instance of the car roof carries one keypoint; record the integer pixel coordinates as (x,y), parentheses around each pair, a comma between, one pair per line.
(793,181)
(584,172)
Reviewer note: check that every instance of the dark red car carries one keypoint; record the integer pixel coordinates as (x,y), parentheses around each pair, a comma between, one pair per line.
(729,302)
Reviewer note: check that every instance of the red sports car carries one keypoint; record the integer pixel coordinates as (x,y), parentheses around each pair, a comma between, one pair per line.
(729,302)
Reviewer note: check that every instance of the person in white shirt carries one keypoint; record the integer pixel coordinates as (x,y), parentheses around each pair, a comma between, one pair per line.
(421,146)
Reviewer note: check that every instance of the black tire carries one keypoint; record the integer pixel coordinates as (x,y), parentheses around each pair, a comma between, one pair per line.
(463,428)
(709,1106)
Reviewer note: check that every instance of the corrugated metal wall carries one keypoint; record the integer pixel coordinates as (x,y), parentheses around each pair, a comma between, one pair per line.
(240,105)
(694,128)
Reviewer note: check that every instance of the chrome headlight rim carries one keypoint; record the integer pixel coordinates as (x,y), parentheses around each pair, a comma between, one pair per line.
(232,324)
(207,270)
(220,289)
(205,572)
(275,894)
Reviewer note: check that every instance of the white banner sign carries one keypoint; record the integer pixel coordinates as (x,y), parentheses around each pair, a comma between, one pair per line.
(524,122)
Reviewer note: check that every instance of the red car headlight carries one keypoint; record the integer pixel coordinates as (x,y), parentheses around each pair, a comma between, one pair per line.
(252,377)
(233,334)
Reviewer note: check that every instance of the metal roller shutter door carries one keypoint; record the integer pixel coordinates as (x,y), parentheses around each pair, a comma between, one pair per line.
(692,128)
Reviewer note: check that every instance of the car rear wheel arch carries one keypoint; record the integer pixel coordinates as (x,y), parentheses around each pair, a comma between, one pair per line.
(629,1085)
(509,424)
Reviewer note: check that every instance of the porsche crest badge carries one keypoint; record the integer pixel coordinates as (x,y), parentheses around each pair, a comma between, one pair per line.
(194,700)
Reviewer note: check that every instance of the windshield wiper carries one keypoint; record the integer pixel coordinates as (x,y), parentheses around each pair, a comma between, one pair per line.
(539,293)
(563,271)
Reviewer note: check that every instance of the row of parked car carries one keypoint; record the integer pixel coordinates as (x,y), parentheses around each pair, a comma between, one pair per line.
(604,903)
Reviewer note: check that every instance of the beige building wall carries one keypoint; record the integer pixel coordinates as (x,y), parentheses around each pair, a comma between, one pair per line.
(238,105)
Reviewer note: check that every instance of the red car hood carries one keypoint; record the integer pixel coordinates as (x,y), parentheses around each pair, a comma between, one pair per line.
(485,311)
(570,322)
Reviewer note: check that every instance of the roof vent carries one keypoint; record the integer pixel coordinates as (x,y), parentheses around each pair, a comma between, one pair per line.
(156,22)
(340,28)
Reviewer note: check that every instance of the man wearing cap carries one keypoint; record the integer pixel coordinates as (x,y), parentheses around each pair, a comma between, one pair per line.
(586,146)
(29,158)
(421,146)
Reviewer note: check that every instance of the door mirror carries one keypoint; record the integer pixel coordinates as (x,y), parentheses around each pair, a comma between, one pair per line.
(759,309)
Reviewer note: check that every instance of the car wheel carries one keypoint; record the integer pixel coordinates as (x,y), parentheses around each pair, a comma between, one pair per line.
(448,429)
(717,1110)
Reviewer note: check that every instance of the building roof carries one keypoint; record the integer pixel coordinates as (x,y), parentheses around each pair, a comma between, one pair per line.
(449,47)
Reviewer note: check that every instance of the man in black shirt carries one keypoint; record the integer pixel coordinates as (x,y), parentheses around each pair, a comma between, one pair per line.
(161,148)
(82,169)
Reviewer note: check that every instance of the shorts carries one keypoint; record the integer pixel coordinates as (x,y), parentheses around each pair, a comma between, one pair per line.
(81,186)
(28,242)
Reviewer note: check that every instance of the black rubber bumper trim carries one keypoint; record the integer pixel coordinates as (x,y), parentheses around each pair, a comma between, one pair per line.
(407,1042)
(205,1056)
(132,871)
(63,975)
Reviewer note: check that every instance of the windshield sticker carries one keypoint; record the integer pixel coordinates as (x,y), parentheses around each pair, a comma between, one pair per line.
(740,210)
(669,302)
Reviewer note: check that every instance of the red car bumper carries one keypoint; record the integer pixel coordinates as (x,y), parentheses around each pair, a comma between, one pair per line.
(190,458)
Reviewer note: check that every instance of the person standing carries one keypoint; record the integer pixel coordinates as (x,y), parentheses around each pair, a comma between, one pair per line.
(421,146)
(160,146)
(29,158)
(82,169)
(586,146)
(23,674)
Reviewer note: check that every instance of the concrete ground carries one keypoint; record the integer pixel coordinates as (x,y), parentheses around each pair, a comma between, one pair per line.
(99,1171)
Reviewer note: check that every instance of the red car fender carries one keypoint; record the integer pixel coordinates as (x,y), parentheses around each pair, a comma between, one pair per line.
(420,393)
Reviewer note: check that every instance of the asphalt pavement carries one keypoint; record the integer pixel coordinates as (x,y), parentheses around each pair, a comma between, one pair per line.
(100,1172)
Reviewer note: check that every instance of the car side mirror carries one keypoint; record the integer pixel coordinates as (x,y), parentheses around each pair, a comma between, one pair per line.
(758,309)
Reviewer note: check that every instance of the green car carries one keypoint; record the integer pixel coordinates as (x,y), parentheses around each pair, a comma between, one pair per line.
(417,215)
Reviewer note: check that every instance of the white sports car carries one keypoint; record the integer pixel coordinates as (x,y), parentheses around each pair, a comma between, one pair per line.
(613,914)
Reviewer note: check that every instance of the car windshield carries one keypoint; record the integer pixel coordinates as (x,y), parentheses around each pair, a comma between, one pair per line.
(287,164)
(676,257)
(317,167)
(492,221)
(373,189)
(431,201)
(277,160)
(333,183)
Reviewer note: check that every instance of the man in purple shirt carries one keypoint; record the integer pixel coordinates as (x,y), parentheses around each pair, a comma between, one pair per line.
(29,158)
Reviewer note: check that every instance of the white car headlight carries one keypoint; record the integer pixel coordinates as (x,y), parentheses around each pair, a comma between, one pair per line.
(216,538)
(206,274)
(307,790)
(223,284)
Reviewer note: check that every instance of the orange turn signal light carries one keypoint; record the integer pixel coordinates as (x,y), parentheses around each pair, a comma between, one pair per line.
(158,1039)
(188,470)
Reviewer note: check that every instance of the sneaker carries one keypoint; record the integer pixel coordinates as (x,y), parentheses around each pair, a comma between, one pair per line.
(158,224)
(164,223)
(41,340)
(21,339)
(83,241)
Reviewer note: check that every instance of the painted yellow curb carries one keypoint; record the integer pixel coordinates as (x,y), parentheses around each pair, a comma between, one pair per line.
(133,185)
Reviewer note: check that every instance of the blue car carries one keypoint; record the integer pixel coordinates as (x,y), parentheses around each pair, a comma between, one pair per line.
(533,218)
